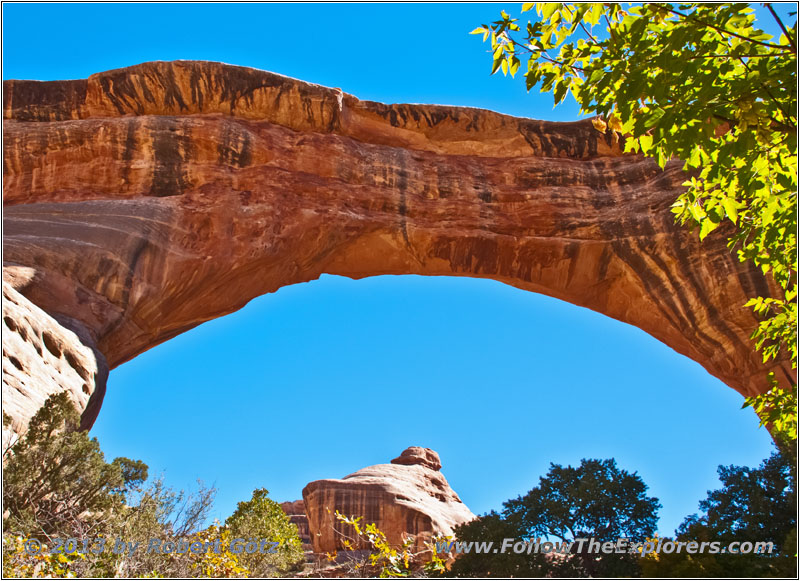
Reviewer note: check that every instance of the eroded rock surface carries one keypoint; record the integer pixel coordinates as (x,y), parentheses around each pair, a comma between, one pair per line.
(296,511)
(147,200)
(407,500)
(419,456)
(42,356)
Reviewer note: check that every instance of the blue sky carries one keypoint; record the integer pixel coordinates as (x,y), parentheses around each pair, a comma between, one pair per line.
(320,379)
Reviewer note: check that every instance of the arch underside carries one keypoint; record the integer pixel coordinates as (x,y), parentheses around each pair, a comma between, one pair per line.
(142,202)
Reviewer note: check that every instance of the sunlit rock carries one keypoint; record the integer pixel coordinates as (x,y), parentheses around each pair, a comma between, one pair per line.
(147,200)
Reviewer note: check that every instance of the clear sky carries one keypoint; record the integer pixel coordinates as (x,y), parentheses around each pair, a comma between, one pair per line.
(320,379)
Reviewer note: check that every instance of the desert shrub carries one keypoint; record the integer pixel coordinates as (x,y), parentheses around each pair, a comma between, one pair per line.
(56,482)
(263,519)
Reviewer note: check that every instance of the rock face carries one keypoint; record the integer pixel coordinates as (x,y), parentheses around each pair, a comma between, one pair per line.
(406,498)
(144,201)
(420,457)
(296,511)
(42,356)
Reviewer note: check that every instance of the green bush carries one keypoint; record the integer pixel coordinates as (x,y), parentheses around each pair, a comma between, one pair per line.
(261,518)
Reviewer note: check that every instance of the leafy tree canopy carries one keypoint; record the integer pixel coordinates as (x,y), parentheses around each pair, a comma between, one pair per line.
(494,527)
(262,518)
(594,500)
(56,481)
(703,84)
(754,504)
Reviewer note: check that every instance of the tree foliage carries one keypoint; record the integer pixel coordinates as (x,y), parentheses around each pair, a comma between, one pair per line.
(754,504)
(596,500)
(156,511)
(57,485)
(495,527)
(262,518)
(703,84)
(56,481)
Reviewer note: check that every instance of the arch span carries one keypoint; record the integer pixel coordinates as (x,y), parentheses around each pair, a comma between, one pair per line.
(144,201)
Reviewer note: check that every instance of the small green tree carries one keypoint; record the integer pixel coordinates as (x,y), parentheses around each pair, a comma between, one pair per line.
(494,528)
(755,505)
(56,482)
(595,500)
(703,84)
(261,518)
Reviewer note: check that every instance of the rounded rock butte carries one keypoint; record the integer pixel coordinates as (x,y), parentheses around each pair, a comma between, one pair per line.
(408,499)
(142,202)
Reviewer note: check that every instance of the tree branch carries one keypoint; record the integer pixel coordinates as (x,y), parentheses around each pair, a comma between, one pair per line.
(546,56)
(769,94)
(749,56)
(780,23)
(728,32)
(589,34)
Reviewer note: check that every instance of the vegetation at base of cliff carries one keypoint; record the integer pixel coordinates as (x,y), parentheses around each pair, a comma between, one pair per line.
(754,505)
(598,500)
(57,481)
(702,84)
(263,518)
(57,485)
(594,500)
(382,559)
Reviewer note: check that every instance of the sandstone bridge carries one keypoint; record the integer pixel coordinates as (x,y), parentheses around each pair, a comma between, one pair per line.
(144,201)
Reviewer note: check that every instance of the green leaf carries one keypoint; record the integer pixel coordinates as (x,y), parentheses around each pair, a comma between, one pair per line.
(595,13)
(496,64)
(560,92)
(646,142)
(548,9)
(731,209)
(706,227)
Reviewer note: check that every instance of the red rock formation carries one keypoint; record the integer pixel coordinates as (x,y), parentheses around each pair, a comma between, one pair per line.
(296,511)
(419,456)
(406,499)
(144,201)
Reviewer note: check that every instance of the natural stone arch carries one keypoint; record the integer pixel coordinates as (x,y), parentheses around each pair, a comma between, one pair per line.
(144,201)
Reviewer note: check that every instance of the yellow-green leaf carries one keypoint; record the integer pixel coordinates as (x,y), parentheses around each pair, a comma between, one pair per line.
(706,227)
(731,209)
(646,142)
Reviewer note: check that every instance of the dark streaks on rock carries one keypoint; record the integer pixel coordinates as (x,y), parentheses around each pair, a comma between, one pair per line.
(43,101)
(170,148)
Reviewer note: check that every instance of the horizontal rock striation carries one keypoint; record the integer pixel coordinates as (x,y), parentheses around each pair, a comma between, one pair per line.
(147,200)
(407,500)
